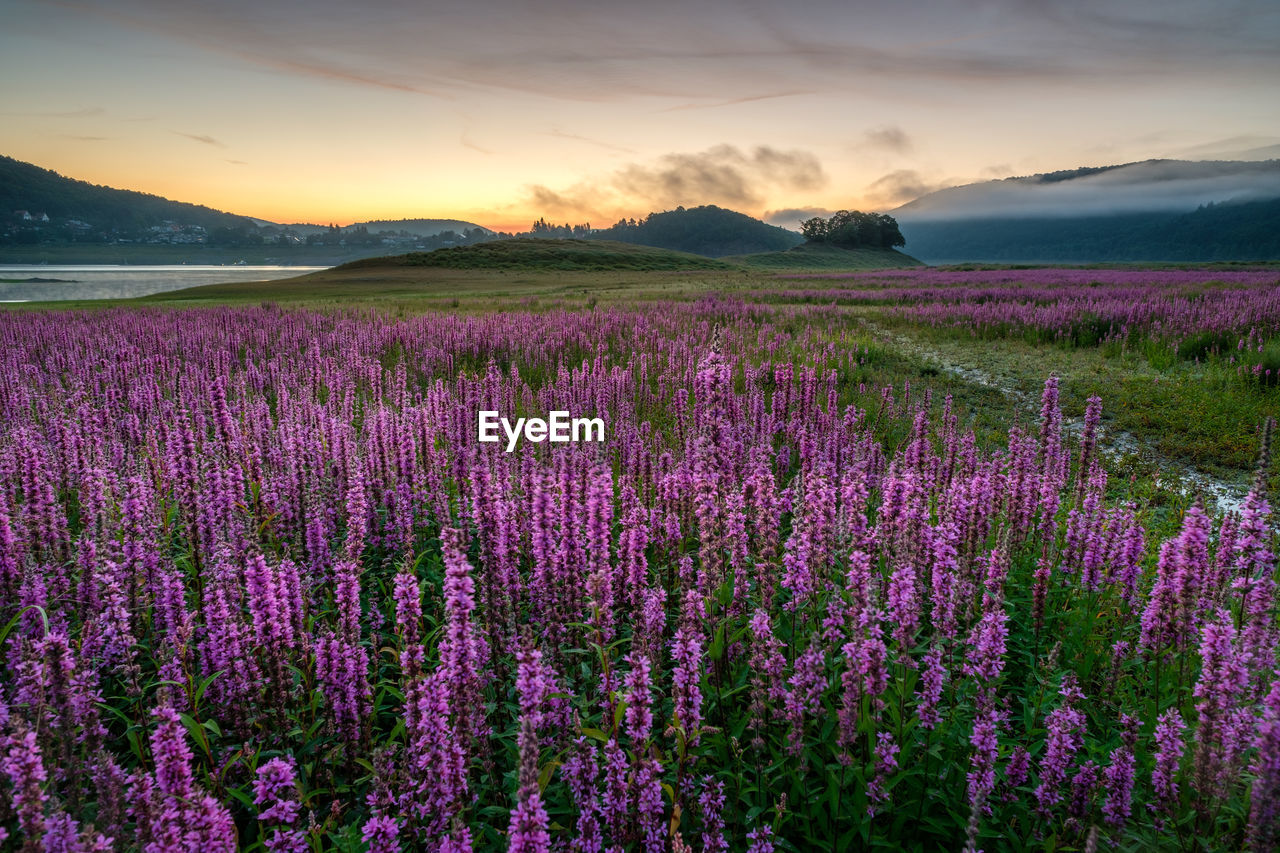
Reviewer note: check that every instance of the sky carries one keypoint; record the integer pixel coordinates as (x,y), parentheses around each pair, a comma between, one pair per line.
(501,112)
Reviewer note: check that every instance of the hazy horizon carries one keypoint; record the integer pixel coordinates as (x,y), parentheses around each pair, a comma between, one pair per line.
(325,112)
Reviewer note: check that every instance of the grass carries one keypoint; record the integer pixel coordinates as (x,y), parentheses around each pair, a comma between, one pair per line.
(539,254)
(827,258)
(410,288)
(1198,414)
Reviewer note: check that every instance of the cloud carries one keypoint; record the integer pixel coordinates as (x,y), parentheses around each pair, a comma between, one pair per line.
(328,70)
(745,99)
(1150,186)
(890,137)
(467,142)
(609,146)
(899,186)
(237,162)
(204,140)
(591,51)
(723,175)
(1249,147)
(578,201)
(796,170)
(791,217)
(85,138)
(689,178)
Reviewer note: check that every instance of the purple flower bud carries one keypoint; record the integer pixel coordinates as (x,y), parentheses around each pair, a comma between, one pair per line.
(1264,814)
(1065,736)
(712,802)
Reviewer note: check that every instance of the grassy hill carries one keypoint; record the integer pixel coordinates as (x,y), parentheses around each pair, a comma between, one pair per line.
(816,256)
(706,230)
(535,254)
(544,254)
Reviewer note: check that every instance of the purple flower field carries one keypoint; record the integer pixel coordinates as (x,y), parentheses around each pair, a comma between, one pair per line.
(1071,305)
(261,587)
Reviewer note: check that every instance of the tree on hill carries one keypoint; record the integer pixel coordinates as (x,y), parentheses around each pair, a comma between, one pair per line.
(852,229)
(546,230)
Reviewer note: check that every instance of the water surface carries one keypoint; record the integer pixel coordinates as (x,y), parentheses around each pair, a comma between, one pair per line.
(118,281)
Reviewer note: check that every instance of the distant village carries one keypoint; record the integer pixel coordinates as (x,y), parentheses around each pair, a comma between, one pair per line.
(27,227)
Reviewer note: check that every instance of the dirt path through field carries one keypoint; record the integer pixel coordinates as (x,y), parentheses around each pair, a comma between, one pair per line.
(1013,381)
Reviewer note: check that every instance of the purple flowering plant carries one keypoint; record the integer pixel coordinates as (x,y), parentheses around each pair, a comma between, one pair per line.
(262,588)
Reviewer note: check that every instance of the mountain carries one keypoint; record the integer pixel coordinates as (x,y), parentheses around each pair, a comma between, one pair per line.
(41,192)
(707,230)
(1232,231)
(419,227)
(1156,210)
(1171,186)
(415,227)
(39,207)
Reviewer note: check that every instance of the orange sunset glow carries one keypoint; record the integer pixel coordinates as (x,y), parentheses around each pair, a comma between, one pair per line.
(502,113)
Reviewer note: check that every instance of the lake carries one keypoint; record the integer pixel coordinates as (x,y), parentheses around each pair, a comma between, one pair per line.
(104,281)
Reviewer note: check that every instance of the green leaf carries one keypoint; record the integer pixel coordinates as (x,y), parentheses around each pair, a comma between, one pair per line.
(44,618)
(244,798)
(833,798)
(198,734)
(204,685)
(135,743)
(544,776)
(103,706)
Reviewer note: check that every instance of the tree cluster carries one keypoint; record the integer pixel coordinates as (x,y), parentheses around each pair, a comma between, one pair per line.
(545,229)
(360,236)
(853,229)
